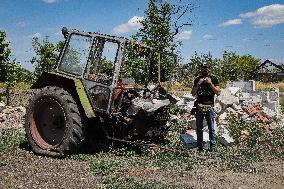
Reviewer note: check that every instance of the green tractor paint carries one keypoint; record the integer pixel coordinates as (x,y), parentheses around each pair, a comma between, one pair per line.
(108,81)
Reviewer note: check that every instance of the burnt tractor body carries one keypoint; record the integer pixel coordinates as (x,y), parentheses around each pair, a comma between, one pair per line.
(99,77)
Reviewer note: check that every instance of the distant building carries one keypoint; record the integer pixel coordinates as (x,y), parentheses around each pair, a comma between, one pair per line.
(268,72)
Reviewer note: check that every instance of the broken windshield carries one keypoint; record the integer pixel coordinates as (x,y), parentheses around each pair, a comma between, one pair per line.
(76,54)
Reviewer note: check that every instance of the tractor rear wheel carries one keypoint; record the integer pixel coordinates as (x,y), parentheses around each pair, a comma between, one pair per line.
(54,124)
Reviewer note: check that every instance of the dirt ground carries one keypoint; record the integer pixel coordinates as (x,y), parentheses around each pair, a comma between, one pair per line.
(27,170)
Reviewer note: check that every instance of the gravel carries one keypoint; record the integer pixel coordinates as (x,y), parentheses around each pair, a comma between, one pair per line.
(30,171)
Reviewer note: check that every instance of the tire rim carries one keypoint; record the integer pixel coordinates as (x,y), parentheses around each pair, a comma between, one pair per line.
(48,123)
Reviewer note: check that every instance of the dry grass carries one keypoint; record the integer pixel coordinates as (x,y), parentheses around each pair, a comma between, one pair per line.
(260,86)
(20,85)
(177,86)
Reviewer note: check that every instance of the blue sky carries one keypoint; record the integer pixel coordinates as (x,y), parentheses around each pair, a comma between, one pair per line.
(253,27)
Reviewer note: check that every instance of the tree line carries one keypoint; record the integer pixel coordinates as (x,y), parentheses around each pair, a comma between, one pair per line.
(231,66)
(163,22)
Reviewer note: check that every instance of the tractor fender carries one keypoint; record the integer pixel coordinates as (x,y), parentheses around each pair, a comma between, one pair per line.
(71,83)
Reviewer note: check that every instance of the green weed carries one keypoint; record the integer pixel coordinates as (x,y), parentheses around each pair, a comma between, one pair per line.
(126,183)
(9,142)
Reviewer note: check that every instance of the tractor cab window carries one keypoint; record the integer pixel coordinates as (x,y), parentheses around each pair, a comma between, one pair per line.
(101,68)
(146,66)
(135,67)
(76,54)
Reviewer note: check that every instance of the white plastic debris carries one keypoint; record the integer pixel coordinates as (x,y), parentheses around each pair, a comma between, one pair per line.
(149,105)
(190,138)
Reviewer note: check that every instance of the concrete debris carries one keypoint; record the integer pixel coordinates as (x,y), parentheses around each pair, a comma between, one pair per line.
(245,86)
(234,90)
(2,106)
(226,98)
(188,97)
(218,107)
(11,117)
(176,97)
(224,136)
(237,107)
(238,99)
(269,113)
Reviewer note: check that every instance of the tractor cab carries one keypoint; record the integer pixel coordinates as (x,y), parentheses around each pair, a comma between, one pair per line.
(108,66)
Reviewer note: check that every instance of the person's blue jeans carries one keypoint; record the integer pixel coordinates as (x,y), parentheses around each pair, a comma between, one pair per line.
(210,119)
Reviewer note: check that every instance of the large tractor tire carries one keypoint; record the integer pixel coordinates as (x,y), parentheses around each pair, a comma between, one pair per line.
(54,123)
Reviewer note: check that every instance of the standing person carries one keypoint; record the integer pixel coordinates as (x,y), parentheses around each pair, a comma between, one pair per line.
(205,87)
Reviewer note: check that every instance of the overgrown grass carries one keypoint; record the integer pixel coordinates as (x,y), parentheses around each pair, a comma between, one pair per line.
(19,85)
(9,143)
(128,182)
(144,167)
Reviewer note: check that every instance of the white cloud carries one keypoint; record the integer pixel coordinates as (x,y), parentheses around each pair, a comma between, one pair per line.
(266,16)
(22,24)
(250,39)
(38,35)
(184,35)
(207,36)
(132,24)
(236,21)
(50,1)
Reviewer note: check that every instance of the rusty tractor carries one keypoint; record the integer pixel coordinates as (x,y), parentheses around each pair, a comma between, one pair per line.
(113,81)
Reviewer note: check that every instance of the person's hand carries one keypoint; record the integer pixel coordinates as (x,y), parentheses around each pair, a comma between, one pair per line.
(201,80)
(208,80)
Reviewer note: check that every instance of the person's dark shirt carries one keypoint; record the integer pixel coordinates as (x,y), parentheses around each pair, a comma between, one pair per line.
(205,94)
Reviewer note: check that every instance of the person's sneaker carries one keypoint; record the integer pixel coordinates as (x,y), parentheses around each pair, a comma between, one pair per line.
(213,153)
(199,149)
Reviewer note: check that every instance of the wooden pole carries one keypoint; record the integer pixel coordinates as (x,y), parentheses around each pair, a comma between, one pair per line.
(159,68)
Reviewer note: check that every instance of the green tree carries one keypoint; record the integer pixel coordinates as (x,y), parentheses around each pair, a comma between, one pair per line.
(231,67)
(162,23)
(26,76)
(46,55)
(135,64)
(238,67)
(5,54)
(197,60)
(11,72)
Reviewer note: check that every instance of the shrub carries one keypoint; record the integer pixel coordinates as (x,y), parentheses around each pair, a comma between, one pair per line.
(254,134)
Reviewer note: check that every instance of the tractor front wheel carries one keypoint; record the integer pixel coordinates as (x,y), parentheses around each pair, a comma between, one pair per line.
(54,123)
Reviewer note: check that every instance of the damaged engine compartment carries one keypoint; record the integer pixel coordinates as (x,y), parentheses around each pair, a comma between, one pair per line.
(142,113)
(132,102)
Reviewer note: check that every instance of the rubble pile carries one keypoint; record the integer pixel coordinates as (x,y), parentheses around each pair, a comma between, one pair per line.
(11,117)
(238,99)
